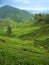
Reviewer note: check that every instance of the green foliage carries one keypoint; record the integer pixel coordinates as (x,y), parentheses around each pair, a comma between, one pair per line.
(28,43)
(9,31)
(42,18)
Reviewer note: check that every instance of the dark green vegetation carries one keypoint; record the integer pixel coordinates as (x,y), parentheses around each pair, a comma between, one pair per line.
(26,42)
(15,14)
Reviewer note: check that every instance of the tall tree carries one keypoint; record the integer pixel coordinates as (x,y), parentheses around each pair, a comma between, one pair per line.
(9,30)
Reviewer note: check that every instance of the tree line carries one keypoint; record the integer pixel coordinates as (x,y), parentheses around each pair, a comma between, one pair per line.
(42,18)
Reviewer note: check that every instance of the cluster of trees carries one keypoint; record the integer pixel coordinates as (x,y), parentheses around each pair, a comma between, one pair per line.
(42,18)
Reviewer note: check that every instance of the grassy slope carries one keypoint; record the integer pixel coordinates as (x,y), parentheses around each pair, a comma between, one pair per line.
(20,49)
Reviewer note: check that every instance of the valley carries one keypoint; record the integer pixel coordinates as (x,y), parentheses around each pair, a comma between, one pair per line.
(23,41)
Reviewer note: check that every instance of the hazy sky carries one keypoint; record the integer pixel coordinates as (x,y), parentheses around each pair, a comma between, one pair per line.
(27,4)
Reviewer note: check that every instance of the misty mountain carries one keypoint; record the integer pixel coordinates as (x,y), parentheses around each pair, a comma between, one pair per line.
(39,11)
(15,14)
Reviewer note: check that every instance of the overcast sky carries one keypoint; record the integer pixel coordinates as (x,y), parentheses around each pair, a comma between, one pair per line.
(27,4)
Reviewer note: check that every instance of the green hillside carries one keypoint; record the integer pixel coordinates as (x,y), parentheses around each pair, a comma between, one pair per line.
(25,42)
(15,13)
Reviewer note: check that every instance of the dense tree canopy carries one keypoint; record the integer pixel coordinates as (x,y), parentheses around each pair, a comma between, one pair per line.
(42,18)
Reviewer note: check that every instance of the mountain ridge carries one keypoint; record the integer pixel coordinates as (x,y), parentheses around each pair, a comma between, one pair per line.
(15,13)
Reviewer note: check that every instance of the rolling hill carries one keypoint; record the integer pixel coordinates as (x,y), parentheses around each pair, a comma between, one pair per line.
(15,13)
(28,43)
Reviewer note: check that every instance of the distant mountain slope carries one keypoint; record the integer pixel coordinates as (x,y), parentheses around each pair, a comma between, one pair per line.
(15,13)
(39,11)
